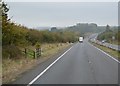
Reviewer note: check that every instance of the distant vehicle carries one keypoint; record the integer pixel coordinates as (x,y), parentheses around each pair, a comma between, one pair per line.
(81,39)
(103,41)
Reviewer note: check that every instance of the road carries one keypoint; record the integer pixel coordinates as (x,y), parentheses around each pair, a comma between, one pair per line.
(81,64)
(109,45)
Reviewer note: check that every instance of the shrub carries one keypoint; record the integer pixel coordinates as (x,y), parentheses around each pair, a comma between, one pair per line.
(11,52)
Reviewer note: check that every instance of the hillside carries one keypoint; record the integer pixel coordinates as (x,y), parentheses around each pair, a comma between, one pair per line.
(83,28)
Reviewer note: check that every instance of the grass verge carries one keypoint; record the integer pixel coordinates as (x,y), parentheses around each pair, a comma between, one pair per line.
(112,52)
(13,68)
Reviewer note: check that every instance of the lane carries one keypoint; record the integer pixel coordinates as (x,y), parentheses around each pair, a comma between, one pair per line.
(105,68)
(72,68)
(83,64)
(29,75)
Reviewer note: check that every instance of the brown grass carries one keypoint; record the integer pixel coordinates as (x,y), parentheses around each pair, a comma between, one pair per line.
(13,68)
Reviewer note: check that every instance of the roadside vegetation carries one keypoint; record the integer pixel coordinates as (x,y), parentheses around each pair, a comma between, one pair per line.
(110,35)
(12,69)
(16,37)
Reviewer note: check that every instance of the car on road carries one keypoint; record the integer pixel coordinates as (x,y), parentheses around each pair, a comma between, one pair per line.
(103,41)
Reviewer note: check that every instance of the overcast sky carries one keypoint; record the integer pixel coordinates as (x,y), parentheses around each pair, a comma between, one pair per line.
(61,14)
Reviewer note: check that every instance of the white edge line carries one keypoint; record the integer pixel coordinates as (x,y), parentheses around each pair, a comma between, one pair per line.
(105,53)
(48,67)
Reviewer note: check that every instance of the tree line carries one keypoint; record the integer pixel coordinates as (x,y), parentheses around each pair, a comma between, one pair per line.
(14,35)
(110,35)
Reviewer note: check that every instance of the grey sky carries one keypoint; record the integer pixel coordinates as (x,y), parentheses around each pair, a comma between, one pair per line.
(60,14)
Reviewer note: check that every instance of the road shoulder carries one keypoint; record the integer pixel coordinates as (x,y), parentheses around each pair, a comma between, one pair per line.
(115,55)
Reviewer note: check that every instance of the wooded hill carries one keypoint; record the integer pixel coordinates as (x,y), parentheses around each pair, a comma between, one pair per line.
(84,28)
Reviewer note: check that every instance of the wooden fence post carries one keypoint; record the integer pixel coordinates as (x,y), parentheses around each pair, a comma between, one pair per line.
(25,52)
(38,52)
(34,54)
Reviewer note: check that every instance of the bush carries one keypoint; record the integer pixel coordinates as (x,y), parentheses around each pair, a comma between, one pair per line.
(37,45)
(105,36)
(11,52)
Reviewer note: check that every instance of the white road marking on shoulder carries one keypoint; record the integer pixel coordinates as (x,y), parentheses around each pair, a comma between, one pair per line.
(105,53)
(48,67)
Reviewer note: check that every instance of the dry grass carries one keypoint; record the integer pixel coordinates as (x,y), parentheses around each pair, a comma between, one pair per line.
(13,68)
(48,49)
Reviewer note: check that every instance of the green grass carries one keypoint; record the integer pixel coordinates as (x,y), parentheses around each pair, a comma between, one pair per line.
(113,53)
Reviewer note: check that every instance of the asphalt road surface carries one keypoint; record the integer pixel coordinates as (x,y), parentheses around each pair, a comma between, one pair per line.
(81,64)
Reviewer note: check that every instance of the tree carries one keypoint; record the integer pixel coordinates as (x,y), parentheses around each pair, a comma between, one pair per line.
(5,25)
(53,29)
(108,29)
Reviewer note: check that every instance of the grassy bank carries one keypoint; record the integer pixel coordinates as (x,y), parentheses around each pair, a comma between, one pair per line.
(115,42)
(13,68)
(112,52)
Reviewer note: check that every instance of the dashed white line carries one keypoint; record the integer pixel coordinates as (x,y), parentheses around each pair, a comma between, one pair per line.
(106,53)
(48,67)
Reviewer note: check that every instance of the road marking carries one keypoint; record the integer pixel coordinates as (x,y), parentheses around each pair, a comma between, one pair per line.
(105,53)
(48,67)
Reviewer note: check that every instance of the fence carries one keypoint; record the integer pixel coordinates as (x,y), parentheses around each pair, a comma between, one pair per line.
(32,53)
